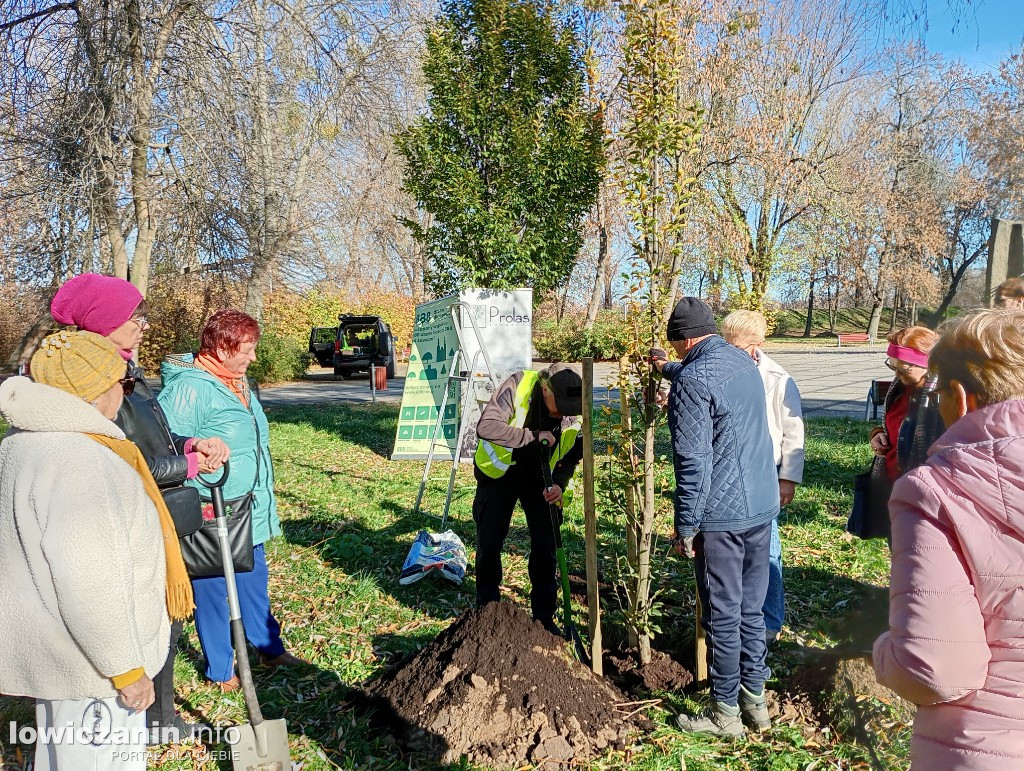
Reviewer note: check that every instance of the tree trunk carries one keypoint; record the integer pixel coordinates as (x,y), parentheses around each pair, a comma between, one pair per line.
(141,186)
(876,317)
(935,318)
(810,310)
(256,288)
(563,302)
(646,536)
(632,541)
(895,309)
(30,342)
(832,293)
(602,261)
(608,281)
(112,228)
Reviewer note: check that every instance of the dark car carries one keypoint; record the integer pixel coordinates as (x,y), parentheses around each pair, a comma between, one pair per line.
(353,345)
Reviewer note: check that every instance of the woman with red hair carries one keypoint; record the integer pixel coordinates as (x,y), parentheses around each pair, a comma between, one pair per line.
(209,391)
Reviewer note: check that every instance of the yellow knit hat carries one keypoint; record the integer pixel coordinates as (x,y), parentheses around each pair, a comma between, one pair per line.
(81,363)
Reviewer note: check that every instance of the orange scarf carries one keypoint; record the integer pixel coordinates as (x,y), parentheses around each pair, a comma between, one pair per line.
(180,602)
(235,384)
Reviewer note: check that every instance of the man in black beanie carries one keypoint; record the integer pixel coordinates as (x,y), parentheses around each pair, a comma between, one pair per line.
(533,418)
(727,495)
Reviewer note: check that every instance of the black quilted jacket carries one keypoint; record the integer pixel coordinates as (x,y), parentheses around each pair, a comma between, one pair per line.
(725,468)
(143,421)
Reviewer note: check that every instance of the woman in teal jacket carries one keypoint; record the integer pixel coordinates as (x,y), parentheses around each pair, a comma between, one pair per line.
(208,395)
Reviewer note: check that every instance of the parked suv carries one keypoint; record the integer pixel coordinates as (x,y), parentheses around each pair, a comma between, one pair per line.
(353,345)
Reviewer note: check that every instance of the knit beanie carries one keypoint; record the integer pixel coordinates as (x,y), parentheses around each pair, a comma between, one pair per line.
(81,363)
(691,318)
(95,303)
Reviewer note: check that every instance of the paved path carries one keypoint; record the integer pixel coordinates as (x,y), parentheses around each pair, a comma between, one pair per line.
(835,382)
(832,382)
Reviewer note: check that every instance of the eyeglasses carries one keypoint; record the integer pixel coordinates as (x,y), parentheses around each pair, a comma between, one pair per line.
(142,321)
(128,384)
(900,369)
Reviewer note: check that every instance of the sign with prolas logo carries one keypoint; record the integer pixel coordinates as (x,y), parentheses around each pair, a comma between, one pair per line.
(505,322)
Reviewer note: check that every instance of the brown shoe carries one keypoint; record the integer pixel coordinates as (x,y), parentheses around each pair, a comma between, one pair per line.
(231,685)
(286,659)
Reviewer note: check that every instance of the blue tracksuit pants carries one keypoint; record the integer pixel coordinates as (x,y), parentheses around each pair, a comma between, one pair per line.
(214,626)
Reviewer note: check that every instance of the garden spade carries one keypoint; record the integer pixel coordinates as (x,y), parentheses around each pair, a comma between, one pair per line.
(262,744)
(569,628)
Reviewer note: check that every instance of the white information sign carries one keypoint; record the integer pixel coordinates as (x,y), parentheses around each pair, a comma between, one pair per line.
(505,322)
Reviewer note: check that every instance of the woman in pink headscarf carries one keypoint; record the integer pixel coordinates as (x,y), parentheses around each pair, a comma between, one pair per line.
(115,309)
(912,422)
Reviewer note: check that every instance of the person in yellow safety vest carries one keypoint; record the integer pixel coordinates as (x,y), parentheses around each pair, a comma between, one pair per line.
(529,408)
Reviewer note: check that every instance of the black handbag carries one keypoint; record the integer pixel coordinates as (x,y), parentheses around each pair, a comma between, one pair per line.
(201,549)
(185,508)
(869,517)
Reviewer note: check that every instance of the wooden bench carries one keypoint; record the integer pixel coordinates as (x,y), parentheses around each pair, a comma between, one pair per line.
(876,398)
(852,337)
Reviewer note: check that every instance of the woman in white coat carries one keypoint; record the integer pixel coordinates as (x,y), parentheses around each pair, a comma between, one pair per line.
(88,579)
(747,330)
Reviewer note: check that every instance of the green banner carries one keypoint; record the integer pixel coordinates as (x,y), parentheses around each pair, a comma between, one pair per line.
(434,343)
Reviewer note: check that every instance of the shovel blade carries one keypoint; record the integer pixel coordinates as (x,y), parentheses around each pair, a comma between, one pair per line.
(270,735)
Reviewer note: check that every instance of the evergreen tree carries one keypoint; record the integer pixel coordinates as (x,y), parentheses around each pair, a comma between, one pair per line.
(508,157)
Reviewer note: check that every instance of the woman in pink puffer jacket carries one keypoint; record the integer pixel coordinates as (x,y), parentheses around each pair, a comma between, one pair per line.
(956,616)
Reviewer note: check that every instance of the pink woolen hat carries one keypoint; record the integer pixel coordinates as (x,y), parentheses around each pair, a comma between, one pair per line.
(95,303)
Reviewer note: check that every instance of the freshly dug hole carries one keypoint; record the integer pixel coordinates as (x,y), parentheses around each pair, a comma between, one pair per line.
(838,689)
(663,673)
(499,689)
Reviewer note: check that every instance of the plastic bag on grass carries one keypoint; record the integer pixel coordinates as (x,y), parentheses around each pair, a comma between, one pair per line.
(442,553)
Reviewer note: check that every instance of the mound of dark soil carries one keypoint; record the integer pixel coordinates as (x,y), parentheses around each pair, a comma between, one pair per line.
(499,689)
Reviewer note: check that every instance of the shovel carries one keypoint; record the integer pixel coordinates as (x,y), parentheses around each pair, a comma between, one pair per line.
(553,509)
(262,744)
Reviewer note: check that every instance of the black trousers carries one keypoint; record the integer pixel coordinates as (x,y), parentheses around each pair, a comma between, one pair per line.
(161,713)
(492,511)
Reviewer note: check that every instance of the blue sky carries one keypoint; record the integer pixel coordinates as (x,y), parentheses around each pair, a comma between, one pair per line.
(987,31)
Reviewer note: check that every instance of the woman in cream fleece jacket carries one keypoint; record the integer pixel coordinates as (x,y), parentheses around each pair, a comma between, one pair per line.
(747,330)
(83,619)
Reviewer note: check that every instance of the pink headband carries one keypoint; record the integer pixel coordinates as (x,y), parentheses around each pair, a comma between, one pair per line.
(909,355)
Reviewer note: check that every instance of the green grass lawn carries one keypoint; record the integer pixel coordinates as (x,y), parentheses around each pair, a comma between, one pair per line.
(791,322)
(348,524)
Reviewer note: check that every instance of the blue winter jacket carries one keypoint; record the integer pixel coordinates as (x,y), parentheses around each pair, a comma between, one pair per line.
(725,467)
(198,404)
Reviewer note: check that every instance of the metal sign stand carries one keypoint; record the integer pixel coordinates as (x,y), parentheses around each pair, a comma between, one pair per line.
(456,375)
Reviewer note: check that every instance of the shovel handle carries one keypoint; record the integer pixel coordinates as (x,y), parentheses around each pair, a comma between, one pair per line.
(569,629)
(545,464)
(219,481)
(252,703)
